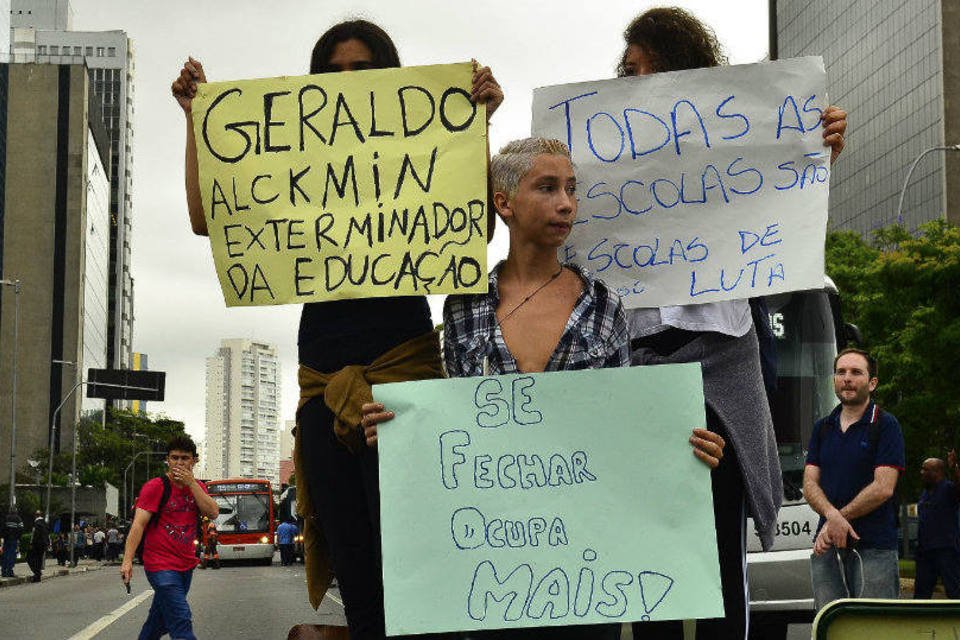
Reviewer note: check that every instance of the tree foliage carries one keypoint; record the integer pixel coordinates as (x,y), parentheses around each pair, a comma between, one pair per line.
(103,452)
(903,292)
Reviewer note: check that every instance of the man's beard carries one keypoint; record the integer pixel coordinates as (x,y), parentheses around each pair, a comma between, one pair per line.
(860,397)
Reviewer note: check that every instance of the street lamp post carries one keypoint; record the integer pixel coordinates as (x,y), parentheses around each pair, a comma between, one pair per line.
(13,398)
(906,181)
(53,428)
(132,461)
(74,480)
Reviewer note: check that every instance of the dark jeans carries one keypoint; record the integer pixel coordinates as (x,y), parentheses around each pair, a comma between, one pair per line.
(930,564)
(35,562)
(9,557)
(286,554)
(344,486)
(729,512)
(169,612)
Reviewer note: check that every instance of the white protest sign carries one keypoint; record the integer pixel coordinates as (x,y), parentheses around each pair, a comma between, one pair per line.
(697,186)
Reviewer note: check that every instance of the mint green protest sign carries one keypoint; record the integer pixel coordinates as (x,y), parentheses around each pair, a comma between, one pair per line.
(546,500)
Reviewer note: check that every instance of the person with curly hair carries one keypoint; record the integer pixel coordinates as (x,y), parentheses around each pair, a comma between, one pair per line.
(722,336)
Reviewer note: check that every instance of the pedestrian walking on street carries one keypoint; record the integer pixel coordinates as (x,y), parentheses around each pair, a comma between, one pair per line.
(113,543)
(12,530)
(88,542)
(61,548)
(938,538)
(78,543)
(38,546)
(286,533)
(99,544)
(166,521)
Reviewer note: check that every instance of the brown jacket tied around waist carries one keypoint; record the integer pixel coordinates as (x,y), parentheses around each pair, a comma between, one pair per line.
(344,392)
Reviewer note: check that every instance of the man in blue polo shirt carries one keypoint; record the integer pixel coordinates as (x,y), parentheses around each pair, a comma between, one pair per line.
(938,538)
(855,456)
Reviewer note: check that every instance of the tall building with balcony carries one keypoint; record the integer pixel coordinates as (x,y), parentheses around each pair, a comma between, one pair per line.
(242,411)
(42,32)
(895,67)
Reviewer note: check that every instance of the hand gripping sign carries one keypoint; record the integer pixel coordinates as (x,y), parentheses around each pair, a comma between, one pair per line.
(697,186)
(345,185)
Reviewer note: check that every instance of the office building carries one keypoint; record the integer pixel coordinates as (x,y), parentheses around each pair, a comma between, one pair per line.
(139,362)
(895,68)
(54,239)
(42,32)
(286,439)
(243,403)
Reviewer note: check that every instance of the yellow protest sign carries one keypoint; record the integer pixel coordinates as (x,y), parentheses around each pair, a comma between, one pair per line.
(344,185)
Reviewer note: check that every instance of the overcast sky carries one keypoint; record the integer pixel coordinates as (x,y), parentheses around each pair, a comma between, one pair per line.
(180,314)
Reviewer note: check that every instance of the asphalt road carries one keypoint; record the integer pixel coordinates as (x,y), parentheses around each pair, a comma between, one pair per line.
(235,602)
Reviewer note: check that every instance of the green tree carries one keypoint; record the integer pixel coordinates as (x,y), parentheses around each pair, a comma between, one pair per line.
(103,452)
(903,292)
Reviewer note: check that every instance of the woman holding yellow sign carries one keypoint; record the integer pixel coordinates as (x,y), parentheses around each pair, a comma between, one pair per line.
(344,346)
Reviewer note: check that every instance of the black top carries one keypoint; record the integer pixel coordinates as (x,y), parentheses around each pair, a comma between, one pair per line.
(937,510)
(326,325)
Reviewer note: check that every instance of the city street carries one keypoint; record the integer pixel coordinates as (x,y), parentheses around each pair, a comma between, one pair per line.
(237,602)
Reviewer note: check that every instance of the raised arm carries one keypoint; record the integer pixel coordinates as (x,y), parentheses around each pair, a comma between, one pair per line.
(486,91)
(952,467)
(184,89)
(834,126)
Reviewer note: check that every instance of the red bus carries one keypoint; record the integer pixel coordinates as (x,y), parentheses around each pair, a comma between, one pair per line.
(246,521)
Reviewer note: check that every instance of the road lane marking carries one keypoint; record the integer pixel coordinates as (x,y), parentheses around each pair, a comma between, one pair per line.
(110,618)
(334,598)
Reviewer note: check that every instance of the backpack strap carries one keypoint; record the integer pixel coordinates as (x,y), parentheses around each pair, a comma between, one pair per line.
(164,497)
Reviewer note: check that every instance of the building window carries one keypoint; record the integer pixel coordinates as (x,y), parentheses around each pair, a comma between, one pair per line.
(42,50)
(54,50)
(77,51)
(99,52)
(88,51)
(112,52)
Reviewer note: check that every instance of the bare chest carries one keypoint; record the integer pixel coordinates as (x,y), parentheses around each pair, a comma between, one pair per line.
(534,330)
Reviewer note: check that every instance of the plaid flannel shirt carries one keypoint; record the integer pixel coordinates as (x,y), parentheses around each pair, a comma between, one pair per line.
(595,335)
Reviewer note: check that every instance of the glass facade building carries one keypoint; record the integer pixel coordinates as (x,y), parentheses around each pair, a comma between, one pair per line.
(96,268)
(888,66)
(42,32)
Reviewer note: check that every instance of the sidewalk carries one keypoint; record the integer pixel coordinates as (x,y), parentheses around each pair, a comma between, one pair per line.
(52,570)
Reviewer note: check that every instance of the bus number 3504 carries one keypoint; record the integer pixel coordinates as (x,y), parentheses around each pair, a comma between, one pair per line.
(793,528)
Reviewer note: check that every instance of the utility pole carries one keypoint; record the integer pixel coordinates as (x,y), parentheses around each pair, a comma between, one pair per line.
(13,396)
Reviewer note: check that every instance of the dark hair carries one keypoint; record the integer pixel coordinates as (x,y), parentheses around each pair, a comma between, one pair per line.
(674,39)
(182,442)
(871,361)
(381,46)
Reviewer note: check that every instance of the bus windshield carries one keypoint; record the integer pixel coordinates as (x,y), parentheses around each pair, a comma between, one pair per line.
(806,342)
(245,513)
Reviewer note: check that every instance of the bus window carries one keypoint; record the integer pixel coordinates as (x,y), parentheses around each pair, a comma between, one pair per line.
(805,332)
(247,513)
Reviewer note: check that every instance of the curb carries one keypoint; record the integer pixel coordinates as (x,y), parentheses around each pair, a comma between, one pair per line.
(49,574)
